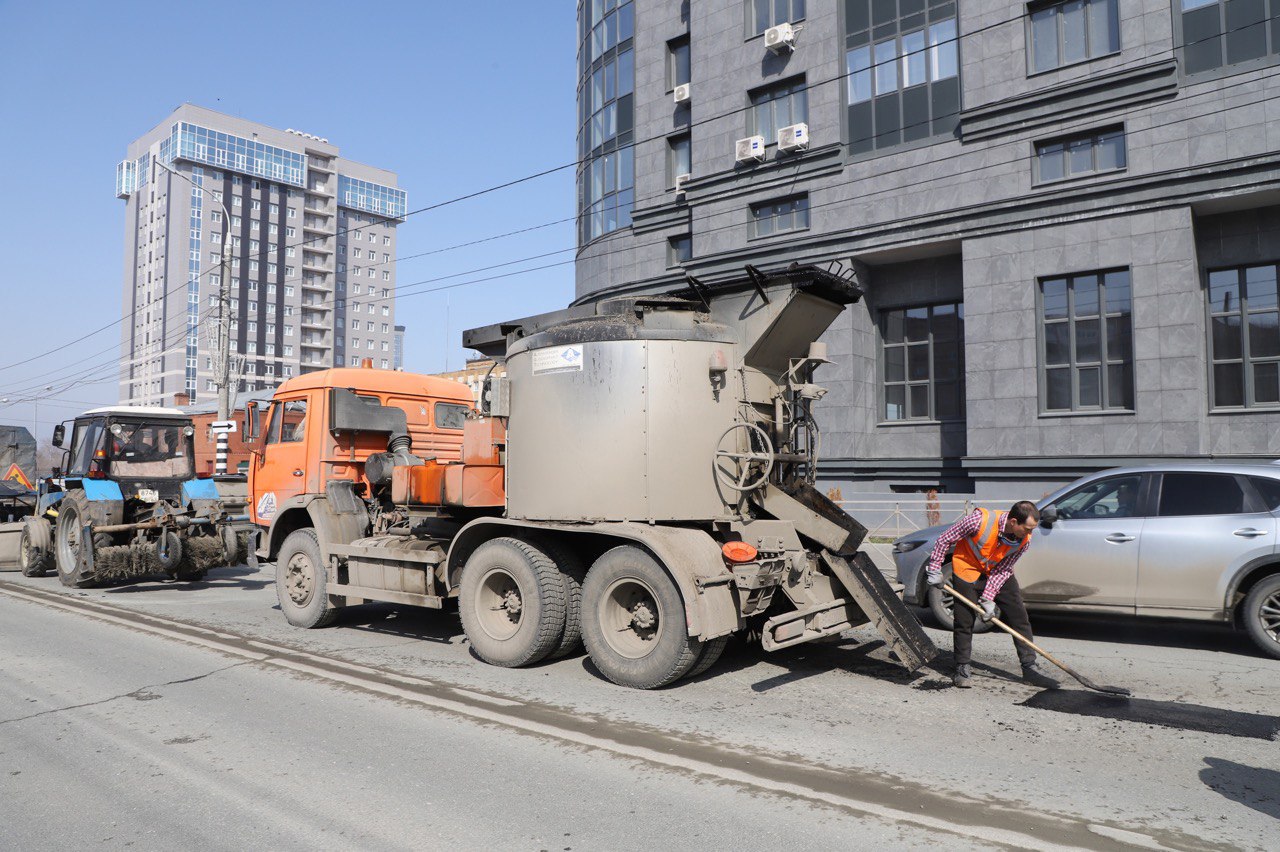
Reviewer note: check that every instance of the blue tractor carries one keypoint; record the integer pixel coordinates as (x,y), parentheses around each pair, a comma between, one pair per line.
(127,504)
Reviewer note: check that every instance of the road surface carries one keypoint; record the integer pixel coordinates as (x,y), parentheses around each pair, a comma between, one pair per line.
(154,716)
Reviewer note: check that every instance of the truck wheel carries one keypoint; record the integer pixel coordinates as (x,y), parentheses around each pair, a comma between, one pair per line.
(633,621)
(511,600)
(710,655)
(1262,614)
(941,604)
(572,573)
(35,547)
(300,581)
(67,541)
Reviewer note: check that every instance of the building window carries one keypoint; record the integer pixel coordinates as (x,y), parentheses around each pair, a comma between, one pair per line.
(679,157)
(1067,33)
(769,13)
(923,358)
(1079,156)
(779,217)
(1244,337)
(606,117)
(678,70)
(1216,33)
(1086,351)
(679,249)
(903,72)
(776,107)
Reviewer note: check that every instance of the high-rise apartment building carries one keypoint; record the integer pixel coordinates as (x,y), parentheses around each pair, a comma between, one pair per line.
(313,270)
(1065,214)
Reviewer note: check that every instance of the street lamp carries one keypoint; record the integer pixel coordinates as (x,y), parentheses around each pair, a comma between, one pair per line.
(222,377)
(35,412)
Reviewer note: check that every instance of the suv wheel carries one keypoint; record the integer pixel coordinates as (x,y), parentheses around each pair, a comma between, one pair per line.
(1262,614)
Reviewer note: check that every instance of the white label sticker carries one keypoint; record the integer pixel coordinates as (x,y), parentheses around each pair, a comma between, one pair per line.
(557,359)
(267,505)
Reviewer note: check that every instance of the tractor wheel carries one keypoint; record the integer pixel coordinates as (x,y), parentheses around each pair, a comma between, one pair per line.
(512,601)
(68,541)
(174,552)
(301,581)
(633,621)
(35,547)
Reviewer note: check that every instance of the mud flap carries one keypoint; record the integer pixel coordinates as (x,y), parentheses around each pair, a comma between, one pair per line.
(890,617)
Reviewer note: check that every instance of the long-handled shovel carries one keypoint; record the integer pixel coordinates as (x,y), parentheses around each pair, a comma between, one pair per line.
(1110,690)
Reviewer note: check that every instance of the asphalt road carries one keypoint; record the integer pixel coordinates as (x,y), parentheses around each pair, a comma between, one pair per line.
(157,716)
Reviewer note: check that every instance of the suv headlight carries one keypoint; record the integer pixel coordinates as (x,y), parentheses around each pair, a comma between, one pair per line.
(907,546)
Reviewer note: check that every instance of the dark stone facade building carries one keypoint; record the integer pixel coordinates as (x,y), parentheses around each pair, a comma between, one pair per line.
(1066,215)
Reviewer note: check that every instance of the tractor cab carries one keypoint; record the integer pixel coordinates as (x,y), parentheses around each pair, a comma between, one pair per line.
(148,452)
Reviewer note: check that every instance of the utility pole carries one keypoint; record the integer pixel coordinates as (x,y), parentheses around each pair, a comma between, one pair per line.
(222,345)
(223,361)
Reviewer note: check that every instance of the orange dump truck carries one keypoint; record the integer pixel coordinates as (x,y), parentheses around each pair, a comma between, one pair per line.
(641,482)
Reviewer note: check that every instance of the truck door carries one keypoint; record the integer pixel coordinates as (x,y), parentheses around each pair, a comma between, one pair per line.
(282,471)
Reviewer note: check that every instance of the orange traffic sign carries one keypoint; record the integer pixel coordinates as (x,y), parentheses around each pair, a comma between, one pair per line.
(15,473)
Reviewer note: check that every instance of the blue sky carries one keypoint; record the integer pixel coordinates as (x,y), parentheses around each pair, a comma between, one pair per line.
(454,97)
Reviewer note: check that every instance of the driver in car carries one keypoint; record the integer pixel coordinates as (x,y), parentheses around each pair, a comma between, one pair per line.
(987,546)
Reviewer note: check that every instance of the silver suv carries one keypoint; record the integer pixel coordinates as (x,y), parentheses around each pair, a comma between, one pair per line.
(1188,541)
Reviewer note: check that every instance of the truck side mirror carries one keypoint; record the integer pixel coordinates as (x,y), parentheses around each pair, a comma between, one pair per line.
(1048,516)
(59,432)
(249,429)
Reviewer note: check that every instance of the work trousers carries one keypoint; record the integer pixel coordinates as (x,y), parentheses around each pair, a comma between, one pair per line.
(1013,612)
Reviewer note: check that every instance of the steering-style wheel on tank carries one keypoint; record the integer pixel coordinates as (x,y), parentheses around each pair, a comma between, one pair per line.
(760,452)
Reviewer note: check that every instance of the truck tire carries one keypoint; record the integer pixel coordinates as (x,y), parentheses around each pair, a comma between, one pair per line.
(511,600)
(301,581)
(711,651)
(572,573)
(1262,614)
(633,621)
(67,541)
(35,547)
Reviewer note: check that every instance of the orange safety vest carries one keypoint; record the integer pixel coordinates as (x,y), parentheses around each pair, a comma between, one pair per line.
(978,554)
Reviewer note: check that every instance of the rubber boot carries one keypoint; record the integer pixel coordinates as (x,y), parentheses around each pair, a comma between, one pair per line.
(963,676)
(1036,676)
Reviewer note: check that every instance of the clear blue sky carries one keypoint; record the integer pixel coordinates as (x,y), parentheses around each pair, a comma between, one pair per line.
(454,97)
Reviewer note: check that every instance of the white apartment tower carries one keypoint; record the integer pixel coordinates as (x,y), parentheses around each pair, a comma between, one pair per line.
(313,272)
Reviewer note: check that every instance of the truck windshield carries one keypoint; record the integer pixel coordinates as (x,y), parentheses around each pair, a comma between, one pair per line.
(151,450)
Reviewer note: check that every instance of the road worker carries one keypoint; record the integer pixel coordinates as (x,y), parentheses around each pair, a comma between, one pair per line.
(987,545)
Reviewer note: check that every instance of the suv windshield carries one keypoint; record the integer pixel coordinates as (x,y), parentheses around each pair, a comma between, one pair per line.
(150,450)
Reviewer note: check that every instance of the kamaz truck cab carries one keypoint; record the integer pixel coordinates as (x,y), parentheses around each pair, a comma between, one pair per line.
(127,503)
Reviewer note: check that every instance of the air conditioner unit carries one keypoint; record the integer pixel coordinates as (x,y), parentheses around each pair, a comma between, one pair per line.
(780,38)
(749,150)
(794,137)
(681,180)
(682,93)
